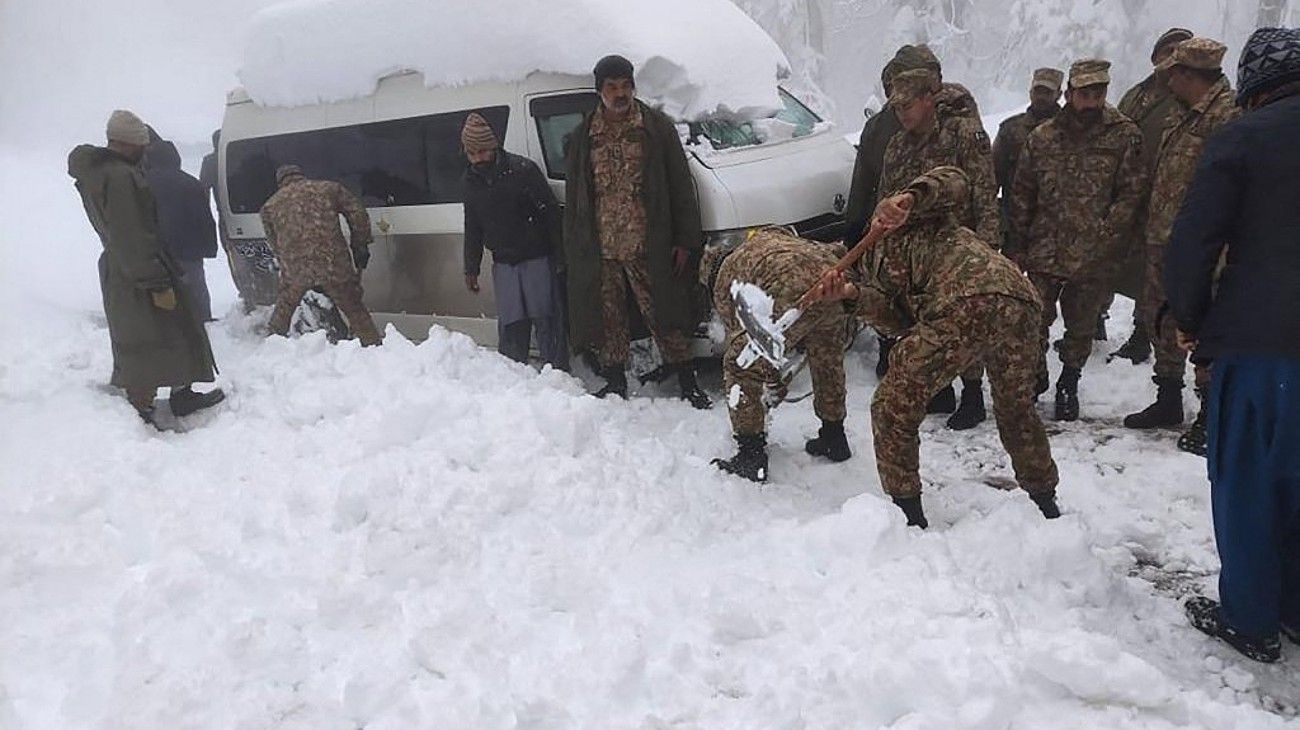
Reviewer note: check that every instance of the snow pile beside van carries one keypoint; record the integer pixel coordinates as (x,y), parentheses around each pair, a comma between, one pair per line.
(694,57)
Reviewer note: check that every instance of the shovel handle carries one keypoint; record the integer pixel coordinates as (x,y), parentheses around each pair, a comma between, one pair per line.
(872,237)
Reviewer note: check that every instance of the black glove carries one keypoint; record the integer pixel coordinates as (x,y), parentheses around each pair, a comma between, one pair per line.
(361,257)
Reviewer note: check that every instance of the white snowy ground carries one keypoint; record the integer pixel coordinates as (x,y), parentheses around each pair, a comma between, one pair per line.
(430,536)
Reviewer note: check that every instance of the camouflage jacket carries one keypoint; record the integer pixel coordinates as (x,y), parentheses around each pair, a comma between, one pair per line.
(1075,195)
(1012,134)
(956,140)
(782,265)
(1150,105)
(302,228)
(1184,139)
(926,268)
(617,162)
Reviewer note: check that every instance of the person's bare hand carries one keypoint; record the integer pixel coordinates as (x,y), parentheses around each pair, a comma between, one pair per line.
(893,212)
(1186,342)
(471,282)
(834,286)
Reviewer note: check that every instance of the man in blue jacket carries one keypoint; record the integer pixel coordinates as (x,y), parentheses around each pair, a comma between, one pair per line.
(1245,198)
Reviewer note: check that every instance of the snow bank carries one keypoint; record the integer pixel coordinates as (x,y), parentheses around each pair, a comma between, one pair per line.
(695,57)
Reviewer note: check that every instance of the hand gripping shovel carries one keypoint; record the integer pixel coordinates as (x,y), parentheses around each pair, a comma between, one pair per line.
(754,309)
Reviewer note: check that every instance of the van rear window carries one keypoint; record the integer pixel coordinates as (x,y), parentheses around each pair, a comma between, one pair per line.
(412,161)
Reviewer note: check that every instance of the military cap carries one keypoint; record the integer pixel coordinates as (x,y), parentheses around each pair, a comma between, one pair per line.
(1048,78)
(908,58)
(1171,36)
(1202,53)
(284,172)
(911,84)
(1089,72)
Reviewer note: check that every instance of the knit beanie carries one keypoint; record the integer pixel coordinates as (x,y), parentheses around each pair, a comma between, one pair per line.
(1270,59)
(477,135)
(126,127)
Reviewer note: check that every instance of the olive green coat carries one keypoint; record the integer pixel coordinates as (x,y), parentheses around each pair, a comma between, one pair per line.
(672,220)
(152,347)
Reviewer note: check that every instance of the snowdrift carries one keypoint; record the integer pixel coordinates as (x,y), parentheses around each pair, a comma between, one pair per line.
(693,57)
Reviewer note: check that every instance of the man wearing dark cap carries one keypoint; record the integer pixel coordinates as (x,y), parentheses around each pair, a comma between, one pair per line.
(157,336)
(511,211)
(934,136)
(1044,103)
(1194,74)
(631,224)
(302,227)
(1245,199)
(1073,202)
(1149,104)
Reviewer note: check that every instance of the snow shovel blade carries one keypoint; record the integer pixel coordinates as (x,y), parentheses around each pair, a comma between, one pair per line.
(765,336)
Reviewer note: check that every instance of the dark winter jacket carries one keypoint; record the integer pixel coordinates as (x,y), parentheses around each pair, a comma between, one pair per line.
(509,210)
(1245,197)
(866,171)
(672,221)
(184,216)
(152,347)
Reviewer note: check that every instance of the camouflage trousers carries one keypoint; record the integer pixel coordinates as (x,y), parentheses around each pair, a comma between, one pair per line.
(820,334)
(1171,360)
(616,277)
(1081,303)
(1002,333)
(346,295)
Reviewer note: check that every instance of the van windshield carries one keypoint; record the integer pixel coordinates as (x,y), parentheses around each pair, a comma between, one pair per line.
(792,121)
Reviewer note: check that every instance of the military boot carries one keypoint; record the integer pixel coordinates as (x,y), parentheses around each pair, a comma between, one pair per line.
(1291,632)
(750,461)
(945,401)
(971,411)
(615,382)
(1206,616)
(184,401)
(1067,395)
(1137,349)
(882,364)
(691,392)
(911,507)
(830,442)
(1194,440)
(1042,384)
(1046,502)
(1166,411)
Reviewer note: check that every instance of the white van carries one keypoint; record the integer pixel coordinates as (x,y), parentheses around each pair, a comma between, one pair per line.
(399,150)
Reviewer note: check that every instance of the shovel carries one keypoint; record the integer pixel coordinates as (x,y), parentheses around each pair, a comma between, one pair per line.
(754,309)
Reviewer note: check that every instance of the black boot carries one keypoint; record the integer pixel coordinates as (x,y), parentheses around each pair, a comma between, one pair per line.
(750,461)
(1166,411)
(615,382)
(184,401)
(945,401)
(882,364)
(691,387)
(1099,334)
(1194,440)
(1042,384)
(1138,348)
(971,411)
(911,507)
(1205,615)
(1067,395)
(830,442)
(1046,502)
(1291,632)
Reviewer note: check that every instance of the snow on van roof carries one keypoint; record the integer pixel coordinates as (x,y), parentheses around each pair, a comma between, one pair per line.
(695,58)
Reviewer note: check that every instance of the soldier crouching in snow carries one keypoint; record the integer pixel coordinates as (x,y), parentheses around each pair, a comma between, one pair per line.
(956,301)
(302,228)
(784,266)
(158,339)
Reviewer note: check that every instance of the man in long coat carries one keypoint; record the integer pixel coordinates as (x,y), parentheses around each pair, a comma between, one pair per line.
(157,337)
(631,223)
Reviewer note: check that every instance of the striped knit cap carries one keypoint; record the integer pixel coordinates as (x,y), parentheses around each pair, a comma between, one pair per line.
(477,136)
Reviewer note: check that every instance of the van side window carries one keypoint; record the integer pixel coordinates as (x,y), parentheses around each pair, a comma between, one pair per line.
(557,117)
(399,162)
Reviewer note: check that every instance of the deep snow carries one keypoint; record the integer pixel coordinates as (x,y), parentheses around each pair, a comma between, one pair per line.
(431,536)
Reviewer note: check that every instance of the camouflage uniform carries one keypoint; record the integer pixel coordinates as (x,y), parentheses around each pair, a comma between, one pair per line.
(1073,201)
(1179,152)
(618,163)
(956,301)
(302,228)
(1010,142)
(785,267)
